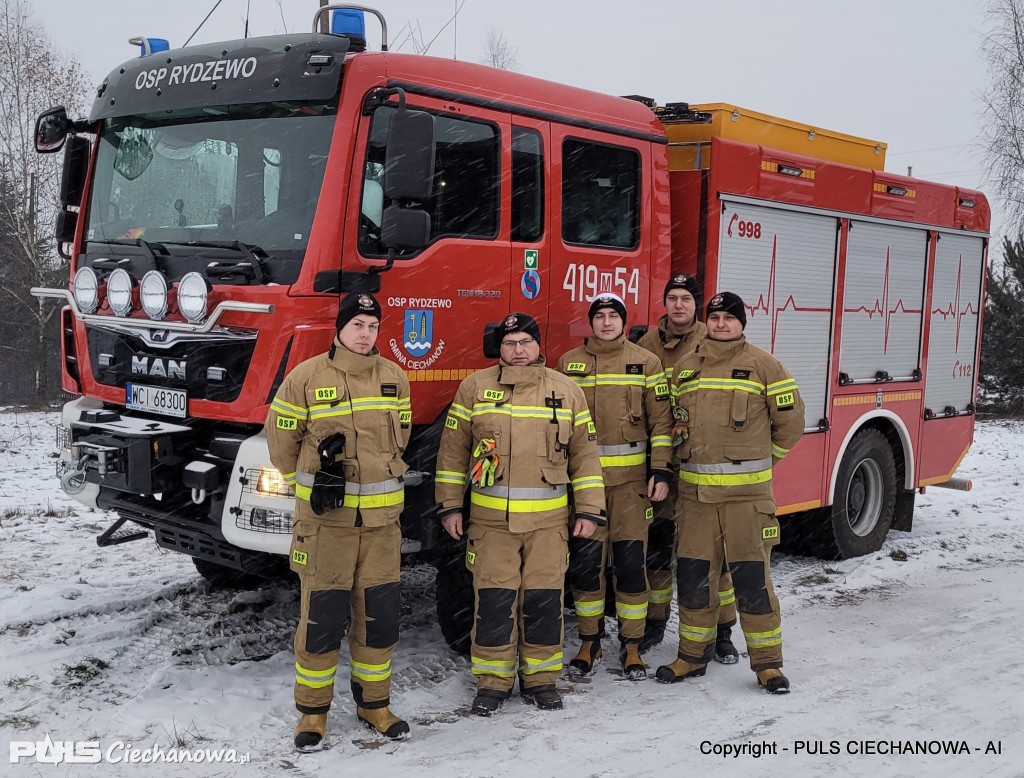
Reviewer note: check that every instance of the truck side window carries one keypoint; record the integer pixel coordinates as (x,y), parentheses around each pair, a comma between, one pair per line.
(600,194)
(466,198)
(527,185)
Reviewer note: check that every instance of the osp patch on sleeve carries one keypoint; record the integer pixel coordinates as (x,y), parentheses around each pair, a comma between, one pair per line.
(451,423)
(661,390)
(769,533)
(784,399)
(404,417)
(284,423)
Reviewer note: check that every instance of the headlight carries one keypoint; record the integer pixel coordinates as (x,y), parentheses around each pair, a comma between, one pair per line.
(153,294)
(86,289)
(270,483)
(119,292)
(192,293)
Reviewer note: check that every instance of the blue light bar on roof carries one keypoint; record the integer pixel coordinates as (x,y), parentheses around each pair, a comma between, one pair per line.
(149,45)
(348,21)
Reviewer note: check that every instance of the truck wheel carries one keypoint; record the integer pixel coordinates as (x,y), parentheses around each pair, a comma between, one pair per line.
(270,569)
(865,498)
(454,596)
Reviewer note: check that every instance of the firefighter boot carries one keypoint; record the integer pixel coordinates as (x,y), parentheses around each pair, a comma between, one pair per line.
(725,651)
(545,697)
(654,633)
(773,680)
(487,701)
(679,670)
(588,657)
(633,667)
(309,735)
(384,721)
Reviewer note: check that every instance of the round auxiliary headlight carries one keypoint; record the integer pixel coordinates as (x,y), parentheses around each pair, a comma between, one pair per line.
(192,293)
(86,289)
(119,292)
(153,294)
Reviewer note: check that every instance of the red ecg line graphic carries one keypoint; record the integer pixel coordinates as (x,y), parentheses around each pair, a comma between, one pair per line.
(768,306)
(953,309)
(881,306)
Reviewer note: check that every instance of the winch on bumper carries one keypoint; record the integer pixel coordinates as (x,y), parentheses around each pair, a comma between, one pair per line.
(212,495)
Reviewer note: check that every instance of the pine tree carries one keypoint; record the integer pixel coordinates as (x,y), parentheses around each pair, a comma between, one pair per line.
(1002,343)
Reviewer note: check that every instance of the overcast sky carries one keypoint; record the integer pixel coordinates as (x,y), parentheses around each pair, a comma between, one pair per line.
(905,72)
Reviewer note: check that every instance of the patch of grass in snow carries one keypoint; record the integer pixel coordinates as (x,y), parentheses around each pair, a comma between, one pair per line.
(47,511)
(77,676)
(898,555)
(18,681)
(832,571)
(17,721)
(183,738)
(814,579)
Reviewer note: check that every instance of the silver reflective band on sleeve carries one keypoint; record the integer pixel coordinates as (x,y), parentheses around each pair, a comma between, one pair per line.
(625,448)
(521,493)
(351,487)
(730,468)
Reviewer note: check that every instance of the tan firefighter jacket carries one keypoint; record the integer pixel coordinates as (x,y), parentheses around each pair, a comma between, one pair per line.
(628,397)
(545,441)
(366,398)
(668,347)
(743,412)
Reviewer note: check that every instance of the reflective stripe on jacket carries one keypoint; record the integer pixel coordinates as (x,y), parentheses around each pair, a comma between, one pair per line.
(365,398)
(629,398)
(542,430)
(744,412)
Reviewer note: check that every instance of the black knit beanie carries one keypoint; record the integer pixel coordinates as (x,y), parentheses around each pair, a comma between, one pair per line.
(607,300)
(730,303)
(354,304)
(516,322)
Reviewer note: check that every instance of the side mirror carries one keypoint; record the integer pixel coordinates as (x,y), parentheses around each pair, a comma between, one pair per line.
(490,352)
(52,128)
(405,229)
(410,157)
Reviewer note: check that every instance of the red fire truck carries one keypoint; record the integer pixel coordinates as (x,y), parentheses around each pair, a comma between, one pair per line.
(219,198)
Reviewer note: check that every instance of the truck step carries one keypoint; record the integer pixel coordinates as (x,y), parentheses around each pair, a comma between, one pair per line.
(114,535)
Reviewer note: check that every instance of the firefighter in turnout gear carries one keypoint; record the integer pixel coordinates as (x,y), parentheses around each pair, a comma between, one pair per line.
(628,397)
(519,436)
(739,412)
(678,333)
(336,430)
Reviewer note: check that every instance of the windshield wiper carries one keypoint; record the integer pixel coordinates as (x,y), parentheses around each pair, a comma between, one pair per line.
(150,247)
(253,261)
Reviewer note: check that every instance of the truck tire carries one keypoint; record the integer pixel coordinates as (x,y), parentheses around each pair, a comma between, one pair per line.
(270,569)
(454,596)
(864,501)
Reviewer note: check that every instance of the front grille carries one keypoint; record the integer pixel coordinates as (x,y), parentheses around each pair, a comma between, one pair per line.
(195,356)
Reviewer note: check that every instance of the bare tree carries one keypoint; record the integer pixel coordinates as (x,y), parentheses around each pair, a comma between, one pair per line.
(33,77)
(1002,131)
(499,52)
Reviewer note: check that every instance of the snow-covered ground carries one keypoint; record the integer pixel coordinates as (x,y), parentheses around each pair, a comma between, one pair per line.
(128,645)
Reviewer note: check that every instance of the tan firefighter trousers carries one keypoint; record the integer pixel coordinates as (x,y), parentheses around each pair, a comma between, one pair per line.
(624,540)
(661,557)
(349,575)
(518,581)
(742,535)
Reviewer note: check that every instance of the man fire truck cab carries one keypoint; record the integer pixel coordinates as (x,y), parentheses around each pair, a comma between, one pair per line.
(220,197)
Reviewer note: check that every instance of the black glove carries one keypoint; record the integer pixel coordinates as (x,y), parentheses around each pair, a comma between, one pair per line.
(328,492)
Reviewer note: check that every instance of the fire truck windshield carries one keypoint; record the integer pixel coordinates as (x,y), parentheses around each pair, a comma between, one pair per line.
(212,176)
